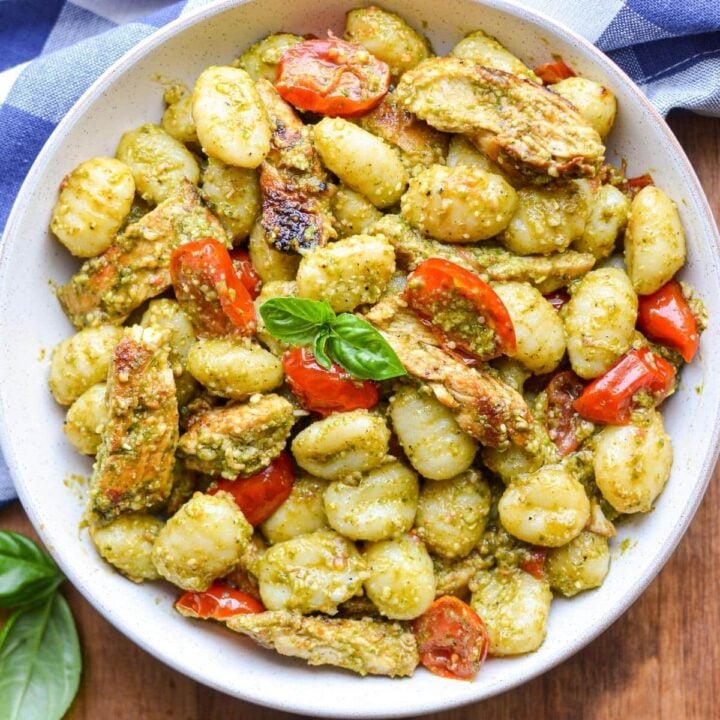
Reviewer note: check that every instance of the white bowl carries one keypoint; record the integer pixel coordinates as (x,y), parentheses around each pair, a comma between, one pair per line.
(31,323)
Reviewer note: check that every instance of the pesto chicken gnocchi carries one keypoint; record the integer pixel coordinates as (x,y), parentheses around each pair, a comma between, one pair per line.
(369,373)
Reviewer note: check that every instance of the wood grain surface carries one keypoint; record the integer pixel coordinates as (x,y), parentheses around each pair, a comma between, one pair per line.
(661,660)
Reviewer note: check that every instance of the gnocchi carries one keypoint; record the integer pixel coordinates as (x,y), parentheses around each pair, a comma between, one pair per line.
(400,577)
(95,198)
(230,119)
(461,204)
(364,162)
(158,162)
(581,564)
(600,321)
(632,463)
(381,506)
(654,240)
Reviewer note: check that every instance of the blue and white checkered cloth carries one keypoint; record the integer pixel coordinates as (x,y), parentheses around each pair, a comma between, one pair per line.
(52,50)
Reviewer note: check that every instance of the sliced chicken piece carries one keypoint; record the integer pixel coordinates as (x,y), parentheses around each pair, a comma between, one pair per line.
(135,461)
(364,646)
(527,129)
(485,407)
(136,267)
(419,143)
(238,439)
(491,262)
(294,186)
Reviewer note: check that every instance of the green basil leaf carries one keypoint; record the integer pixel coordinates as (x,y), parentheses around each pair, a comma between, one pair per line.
(319,349)
(295,320)
(362,350)
(26,572)
(40,661)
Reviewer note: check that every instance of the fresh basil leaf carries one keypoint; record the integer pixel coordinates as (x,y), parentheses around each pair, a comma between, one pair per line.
(319,349)
(295,320)
(362,350)
(40,661)
(26,572)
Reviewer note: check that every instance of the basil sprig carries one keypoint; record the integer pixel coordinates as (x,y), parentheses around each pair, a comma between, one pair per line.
(40,661)
(353,343)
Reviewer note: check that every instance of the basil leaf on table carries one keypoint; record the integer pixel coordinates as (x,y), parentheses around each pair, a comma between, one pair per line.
(295,320)
(40,661)
(362,350)
(26,572)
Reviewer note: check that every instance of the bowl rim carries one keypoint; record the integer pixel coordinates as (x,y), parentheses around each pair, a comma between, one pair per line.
(513,9)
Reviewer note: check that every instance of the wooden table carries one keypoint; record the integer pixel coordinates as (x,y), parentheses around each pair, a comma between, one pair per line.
(661,660)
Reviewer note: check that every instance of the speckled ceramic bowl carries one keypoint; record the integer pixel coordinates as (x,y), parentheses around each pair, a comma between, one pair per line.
(31,323)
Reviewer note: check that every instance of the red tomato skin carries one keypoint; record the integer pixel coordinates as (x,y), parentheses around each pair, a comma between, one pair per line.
(632,186)
(332,77)
(259,496)
(562,419)
(436,278)
(452,639)
(554,72)
(608,398)
(535,564)
(218,602)
(209,291)
(666,318)
(246,272)
(327,391)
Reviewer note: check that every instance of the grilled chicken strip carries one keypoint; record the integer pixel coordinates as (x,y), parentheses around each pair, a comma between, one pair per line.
(134,466)
(528,130)
(136,267)
(419,144)
(485,408)
(295,192)
(363,646)
(491,262)
(238,439)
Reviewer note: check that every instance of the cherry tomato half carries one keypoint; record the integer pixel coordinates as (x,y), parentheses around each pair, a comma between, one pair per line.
(260,495)
(327,391)
(209,291)
(218,602)
(246,272)
(452,298)
(609,398)
(332,77)
(665,317)
(535,564)
(562,419)
(632,186)
(554,72)
(452,639)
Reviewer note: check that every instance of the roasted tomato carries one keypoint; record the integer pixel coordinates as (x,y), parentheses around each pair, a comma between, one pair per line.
(451,638)
(218,602)
(463,307)
(332,77)
(535,564)
(260,495)
(246,272)
(326,391)
(209,291)
(632,186)
(666,318)
(558,298)
(554,72)
(562,419)
(610,397)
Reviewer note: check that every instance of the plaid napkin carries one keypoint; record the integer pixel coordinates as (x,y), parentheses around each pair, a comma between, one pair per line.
(51,51)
